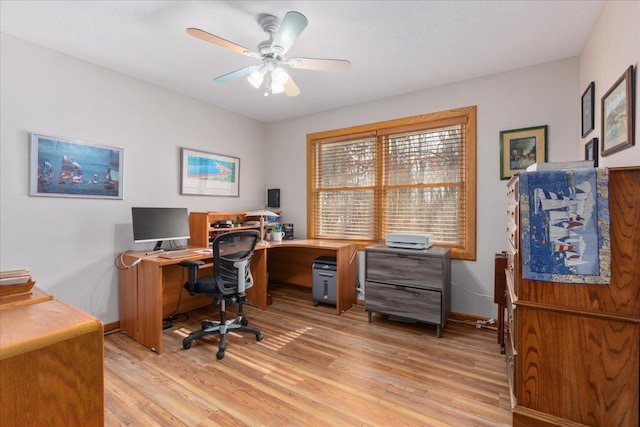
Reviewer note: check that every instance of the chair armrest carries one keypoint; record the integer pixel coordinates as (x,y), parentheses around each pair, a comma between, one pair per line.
(192,268)
(190,263)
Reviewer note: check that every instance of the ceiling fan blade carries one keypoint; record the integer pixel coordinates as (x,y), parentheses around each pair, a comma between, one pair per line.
(208,37)
(320,64)
(292,25)
(290,88)
(242,72)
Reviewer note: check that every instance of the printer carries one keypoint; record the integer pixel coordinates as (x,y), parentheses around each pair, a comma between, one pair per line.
(409,240)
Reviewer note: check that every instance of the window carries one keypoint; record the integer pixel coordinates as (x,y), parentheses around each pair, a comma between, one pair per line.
(412,174)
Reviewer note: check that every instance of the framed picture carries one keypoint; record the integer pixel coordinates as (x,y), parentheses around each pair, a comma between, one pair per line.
(587,109)
(618,115)
(591,151)
(209,174)
(69,168)
(520,148)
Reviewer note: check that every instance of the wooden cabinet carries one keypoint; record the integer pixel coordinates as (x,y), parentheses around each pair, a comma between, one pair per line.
(409,283)
(511,273)
(51,365)
(577,346)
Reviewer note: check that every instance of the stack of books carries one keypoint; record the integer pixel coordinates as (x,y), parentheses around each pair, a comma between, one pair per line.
(15,282)
(15,277)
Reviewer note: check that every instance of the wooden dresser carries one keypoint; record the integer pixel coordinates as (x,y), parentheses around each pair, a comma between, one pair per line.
(409,283)
(574,349)
(51,364)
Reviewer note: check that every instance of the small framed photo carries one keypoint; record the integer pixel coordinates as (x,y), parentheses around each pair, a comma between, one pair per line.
(520,148)
(587,109)
(209,174)
(618,115)
(70,168)
(591,151)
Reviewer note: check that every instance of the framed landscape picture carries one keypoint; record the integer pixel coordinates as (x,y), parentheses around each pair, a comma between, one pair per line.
(520,148)
(70,168)
(209,174)
(587,109)
(618,115)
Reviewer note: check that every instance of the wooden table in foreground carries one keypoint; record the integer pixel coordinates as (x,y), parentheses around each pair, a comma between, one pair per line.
(36,295)
(51,364)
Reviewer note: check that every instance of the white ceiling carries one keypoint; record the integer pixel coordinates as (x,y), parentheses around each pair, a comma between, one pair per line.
(395,47)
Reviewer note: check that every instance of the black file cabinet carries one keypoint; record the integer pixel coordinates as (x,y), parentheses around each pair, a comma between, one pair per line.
(324,280)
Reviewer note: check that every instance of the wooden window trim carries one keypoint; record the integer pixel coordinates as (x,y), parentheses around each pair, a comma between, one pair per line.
(464,115)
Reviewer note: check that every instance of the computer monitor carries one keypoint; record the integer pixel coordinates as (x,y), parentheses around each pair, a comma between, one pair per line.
(159,224)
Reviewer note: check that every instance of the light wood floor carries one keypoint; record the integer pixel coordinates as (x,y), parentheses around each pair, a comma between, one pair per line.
(313,368)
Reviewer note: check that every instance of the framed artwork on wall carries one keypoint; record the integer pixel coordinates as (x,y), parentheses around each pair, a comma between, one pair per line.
(520,148)
(591,151)
(618,115)
(587,109)
(209,174)
(70,168)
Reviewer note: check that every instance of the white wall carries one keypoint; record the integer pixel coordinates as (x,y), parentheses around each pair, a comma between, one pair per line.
(70,244)
(613,45)
(546,94)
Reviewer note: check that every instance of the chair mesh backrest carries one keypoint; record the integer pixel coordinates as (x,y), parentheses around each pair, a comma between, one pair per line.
(229,248)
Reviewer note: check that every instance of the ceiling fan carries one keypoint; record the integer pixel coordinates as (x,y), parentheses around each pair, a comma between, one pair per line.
(282,35)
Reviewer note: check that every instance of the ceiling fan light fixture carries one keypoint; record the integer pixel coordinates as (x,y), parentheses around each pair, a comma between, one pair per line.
(269,75)
(277,88)
(279,76)
(257,76)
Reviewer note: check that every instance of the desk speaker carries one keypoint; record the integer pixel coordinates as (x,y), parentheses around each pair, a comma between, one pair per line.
(273,198)
(288,231)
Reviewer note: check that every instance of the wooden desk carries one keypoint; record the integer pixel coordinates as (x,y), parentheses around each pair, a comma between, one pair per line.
(153,289)
(51,364)
(291,261)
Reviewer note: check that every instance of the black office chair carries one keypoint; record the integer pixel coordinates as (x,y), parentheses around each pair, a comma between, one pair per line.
(231,277)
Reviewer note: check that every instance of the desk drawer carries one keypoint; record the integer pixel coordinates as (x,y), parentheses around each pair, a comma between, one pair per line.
(405,269)
(513,236)
(405,301)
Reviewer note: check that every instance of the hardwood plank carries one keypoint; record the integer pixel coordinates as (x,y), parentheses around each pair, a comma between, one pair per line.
(312,368)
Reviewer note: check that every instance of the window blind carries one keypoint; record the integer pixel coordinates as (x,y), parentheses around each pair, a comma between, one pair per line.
(415,174)
(424,183)
(344,186)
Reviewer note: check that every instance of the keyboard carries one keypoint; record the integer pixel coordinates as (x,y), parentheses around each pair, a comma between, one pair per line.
(178,254)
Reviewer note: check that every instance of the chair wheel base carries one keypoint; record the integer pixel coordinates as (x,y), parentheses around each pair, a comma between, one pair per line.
(219,355)
(259,337)
(186,345)
(207,324)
